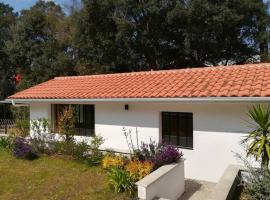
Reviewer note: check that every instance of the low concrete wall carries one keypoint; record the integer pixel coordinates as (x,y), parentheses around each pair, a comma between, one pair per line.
(225,188)
(166,182)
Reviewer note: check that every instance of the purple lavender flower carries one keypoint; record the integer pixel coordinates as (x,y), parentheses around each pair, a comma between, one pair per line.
(21,149)
(167,154)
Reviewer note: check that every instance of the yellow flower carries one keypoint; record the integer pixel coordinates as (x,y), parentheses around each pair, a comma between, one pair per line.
(138,169)
(113,161)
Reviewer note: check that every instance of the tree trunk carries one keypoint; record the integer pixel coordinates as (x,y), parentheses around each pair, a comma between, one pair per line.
(263,43)
(264,52)
(265,160)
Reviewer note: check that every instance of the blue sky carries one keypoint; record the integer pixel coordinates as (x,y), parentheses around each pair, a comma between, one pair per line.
(23,4)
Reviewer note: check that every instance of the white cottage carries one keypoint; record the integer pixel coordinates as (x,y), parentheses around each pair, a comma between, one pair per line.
(201,110)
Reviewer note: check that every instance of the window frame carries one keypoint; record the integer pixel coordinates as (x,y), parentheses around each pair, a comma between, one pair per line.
(91,132)
(180,114)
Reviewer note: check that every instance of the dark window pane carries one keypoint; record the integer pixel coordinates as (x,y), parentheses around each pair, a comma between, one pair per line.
(177,128)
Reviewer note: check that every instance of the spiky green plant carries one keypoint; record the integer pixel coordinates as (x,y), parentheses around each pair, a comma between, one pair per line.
(258,140)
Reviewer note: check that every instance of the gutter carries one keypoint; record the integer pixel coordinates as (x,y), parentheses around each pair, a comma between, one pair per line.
(14,103)
(182,100)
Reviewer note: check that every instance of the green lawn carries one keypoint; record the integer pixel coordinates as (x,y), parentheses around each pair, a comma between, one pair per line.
(52,178)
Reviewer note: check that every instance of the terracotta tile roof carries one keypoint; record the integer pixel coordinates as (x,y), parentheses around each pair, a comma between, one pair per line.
(250,80)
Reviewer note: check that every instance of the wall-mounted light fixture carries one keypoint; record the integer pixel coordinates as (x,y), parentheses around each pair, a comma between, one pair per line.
(126,107)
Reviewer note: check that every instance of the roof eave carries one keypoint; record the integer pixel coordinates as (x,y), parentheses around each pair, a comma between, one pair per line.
(186,100)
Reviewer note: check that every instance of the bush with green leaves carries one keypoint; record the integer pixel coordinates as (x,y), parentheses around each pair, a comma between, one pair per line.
(82,151)
(64,147)
(5,143)
(95,157)
(22,127)
(258,184)
(255,181)
(121,180)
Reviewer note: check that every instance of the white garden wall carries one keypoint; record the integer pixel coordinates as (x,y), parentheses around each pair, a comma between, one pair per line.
(152,186)
(218,128)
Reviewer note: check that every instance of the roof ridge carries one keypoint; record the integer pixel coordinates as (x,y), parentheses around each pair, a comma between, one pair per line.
(165,71)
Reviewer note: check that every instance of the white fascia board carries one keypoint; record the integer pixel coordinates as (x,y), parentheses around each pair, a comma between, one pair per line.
(184,100)
(16,104)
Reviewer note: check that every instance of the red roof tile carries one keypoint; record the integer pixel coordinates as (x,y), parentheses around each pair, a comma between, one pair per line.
(226,81)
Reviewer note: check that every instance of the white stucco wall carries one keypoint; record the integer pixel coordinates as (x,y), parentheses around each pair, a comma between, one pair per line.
(218,129)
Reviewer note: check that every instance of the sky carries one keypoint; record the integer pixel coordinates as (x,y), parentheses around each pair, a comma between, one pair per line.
(24,4)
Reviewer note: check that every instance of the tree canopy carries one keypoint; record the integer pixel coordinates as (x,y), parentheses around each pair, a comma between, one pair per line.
(120,36)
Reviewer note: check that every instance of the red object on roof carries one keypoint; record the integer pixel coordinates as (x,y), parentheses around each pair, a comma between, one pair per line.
(250,80)
(18,78)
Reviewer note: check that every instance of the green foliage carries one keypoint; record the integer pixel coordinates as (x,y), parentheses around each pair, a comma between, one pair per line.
(5,143)
(21,113)
(154,34)
(255,181)
(121,180)
(23,127)
(38,46)
(64,147)
(259,139)
(96,155)
(258,184)
(82,151)
(7,19)
(67,122)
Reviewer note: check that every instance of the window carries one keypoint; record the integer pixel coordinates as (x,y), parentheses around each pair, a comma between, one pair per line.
(85,118)
(177,129)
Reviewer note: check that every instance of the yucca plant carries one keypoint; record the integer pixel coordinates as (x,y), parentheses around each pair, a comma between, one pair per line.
(258,140)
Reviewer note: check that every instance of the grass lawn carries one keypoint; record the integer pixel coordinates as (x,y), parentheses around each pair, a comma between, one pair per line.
(52,178)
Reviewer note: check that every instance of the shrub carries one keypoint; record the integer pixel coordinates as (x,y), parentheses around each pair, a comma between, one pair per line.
(23,127)
(64,147)
(138,169)
(67,123)
(80,150)
(112,161)
(147,151)
(21,149)
(255,181)
(13,132)
(5,143)
(121,180)
(41,139)
(96,156)
(167,154)
(258,184)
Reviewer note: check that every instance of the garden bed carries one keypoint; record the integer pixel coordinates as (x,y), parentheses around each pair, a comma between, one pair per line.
(53,177)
